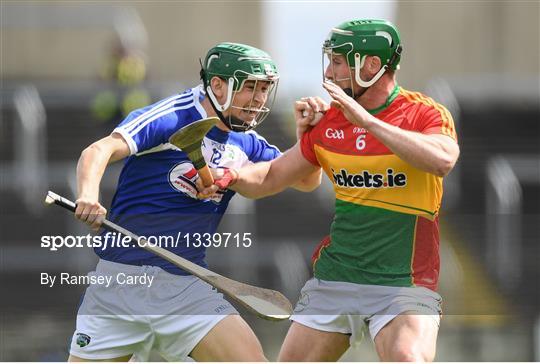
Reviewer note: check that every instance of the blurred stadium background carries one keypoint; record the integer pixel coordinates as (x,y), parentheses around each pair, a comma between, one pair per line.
(70,70)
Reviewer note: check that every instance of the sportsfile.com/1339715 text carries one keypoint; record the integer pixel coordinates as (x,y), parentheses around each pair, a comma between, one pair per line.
(115,240)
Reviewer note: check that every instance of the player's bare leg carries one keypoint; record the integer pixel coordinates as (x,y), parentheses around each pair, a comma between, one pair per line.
(306,344)
(73,358)
(408,337)
(230,340)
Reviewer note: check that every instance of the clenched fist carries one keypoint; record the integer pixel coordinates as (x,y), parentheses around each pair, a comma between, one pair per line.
(308,111)
(90,211)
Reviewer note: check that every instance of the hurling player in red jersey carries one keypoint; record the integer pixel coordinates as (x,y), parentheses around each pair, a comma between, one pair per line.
(385,149)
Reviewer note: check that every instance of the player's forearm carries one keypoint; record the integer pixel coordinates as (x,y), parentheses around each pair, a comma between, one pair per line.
(268,178)
(424,152)
(90,169)
(255,181)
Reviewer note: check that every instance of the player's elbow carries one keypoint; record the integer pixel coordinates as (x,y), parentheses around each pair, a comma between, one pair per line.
(307,188)
(445,165)
(107,149)
(91,151)
(310,182)
(308,185)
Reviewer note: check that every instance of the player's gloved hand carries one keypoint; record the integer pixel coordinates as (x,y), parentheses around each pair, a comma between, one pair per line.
(90,211)
(223,179)
(308,111)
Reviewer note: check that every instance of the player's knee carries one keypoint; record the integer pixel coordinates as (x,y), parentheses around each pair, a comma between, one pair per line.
(406,354)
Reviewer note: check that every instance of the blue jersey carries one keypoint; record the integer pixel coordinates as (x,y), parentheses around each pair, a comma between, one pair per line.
(156,194)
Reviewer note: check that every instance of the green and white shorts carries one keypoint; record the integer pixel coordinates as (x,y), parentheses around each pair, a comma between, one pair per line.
(350,308)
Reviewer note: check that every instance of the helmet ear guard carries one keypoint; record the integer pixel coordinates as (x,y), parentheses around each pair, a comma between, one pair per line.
(359,63)
(218,108)
(208,88)
(215,102)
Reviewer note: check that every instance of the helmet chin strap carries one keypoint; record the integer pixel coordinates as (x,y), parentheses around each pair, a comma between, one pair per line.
(214,100)
(218,108)
(348,91)
(358,64)
(231,122)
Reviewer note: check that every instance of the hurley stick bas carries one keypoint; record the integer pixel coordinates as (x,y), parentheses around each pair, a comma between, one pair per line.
(265,303)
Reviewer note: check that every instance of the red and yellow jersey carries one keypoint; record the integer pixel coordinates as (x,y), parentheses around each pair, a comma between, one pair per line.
(385,230)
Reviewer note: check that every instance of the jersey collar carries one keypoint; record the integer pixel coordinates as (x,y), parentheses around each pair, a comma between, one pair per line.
(198,96)
(218,135)
(392,97)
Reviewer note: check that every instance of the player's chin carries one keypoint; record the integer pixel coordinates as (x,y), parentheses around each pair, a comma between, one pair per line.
(248,117)
(344,85)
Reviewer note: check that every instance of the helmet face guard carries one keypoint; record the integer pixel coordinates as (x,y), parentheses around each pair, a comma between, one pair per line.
(239,65)
(327,62)
(356,40)
(257,112)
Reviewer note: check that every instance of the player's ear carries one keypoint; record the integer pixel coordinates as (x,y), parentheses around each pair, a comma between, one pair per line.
(374,64)
(218,86)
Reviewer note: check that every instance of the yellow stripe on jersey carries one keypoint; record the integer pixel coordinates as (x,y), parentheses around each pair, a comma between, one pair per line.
(447,127)
(383,181)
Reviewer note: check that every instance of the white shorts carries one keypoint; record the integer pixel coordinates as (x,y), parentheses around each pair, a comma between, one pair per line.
(171,316)
(349,308)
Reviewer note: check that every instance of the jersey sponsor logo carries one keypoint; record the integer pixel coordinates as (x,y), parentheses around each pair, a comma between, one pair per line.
(365,179)
(334,133)
(183,178)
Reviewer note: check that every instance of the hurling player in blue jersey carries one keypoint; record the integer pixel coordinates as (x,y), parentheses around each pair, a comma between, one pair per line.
(177,314)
